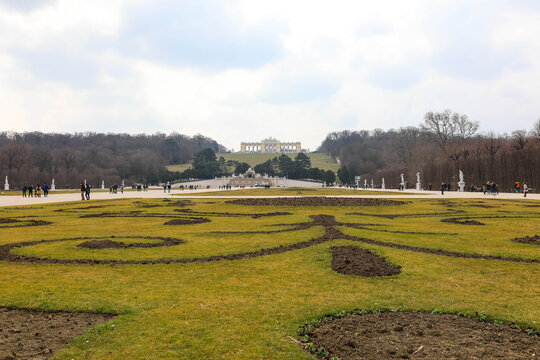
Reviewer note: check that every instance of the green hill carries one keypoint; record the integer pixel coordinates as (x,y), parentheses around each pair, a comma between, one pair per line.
(321,161)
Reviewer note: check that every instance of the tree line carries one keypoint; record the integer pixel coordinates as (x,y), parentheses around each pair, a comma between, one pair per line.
(438,148)
(36,158)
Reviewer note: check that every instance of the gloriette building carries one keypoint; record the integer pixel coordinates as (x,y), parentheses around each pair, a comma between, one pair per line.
(270,146)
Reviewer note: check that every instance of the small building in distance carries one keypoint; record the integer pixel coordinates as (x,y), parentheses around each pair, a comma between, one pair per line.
(270,146)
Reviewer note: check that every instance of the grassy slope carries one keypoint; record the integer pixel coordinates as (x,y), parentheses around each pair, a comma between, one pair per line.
(247,309)
(322,161)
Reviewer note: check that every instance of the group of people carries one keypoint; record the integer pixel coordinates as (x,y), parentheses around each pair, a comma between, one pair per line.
(114,189)
(37,191)
(85,191)
(518,187)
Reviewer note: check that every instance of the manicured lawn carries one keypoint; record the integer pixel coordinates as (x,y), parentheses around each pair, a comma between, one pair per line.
(250,307)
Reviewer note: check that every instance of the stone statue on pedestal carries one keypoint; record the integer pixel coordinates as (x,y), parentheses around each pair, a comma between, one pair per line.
(53,186)
(461,182)
(6,184)
(383,185)
(418,184)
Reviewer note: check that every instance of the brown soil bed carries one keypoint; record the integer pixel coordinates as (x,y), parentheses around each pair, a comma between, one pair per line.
(462,222)
(352,260)
(176,203)
(228,214)
(534,240)
(10,222)
(187,221)
(113,244)
(316,201)
(418,335)
(393,216)
(29,334)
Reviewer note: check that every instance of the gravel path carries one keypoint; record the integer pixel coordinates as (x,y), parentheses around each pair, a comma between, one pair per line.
(156,194)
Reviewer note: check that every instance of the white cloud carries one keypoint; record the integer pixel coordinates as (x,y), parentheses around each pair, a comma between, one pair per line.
(245,70)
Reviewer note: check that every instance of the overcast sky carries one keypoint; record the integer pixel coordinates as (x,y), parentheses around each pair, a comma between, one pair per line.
(245,70)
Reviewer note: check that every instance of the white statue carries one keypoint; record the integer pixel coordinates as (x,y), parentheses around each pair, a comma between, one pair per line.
(365,183)
(383,185)
(402,183)
(6,184)
(102,184)
(53,186)
(372,183)
(418,184)
(84,182)
(461,182)
(123,184)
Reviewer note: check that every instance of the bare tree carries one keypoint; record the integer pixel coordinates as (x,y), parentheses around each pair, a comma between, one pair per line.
(16,156)
(492,144)
(536,130)
(68,160)
(405,143)
(448,127)
(465,128)
(519,139)
(440,124)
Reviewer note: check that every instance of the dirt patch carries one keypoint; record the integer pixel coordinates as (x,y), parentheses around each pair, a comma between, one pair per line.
(316,201)
(8,221)
(534,240)
(228,214)
(482,206)
(176,203)
(113,244)
(11,223)
(419,335)
(393,216)
(29,334)
(462,221)
(187,221)
(352,260)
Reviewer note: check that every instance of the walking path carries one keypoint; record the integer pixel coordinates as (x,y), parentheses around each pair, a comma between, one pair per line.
(195,194)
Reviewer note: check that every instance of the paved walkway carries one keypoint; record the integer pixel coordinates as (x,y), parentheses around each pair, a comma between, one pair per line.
(195,194)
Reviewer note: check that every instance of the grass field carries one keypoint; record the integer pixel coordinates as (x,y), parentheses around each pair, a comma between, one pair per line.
(296,192)
(177,302)
(321,161)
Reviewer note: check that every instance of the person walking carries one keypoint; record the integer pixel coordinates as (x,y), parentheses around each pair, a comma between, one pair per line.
(45,190)
(443,187)
(525,189)
(87,192)
(30,191)
(23,188)
(83,191)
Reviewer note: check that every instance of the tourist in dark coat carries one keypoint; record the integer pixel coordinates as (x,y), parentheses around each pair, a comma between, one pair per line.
(83,191)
